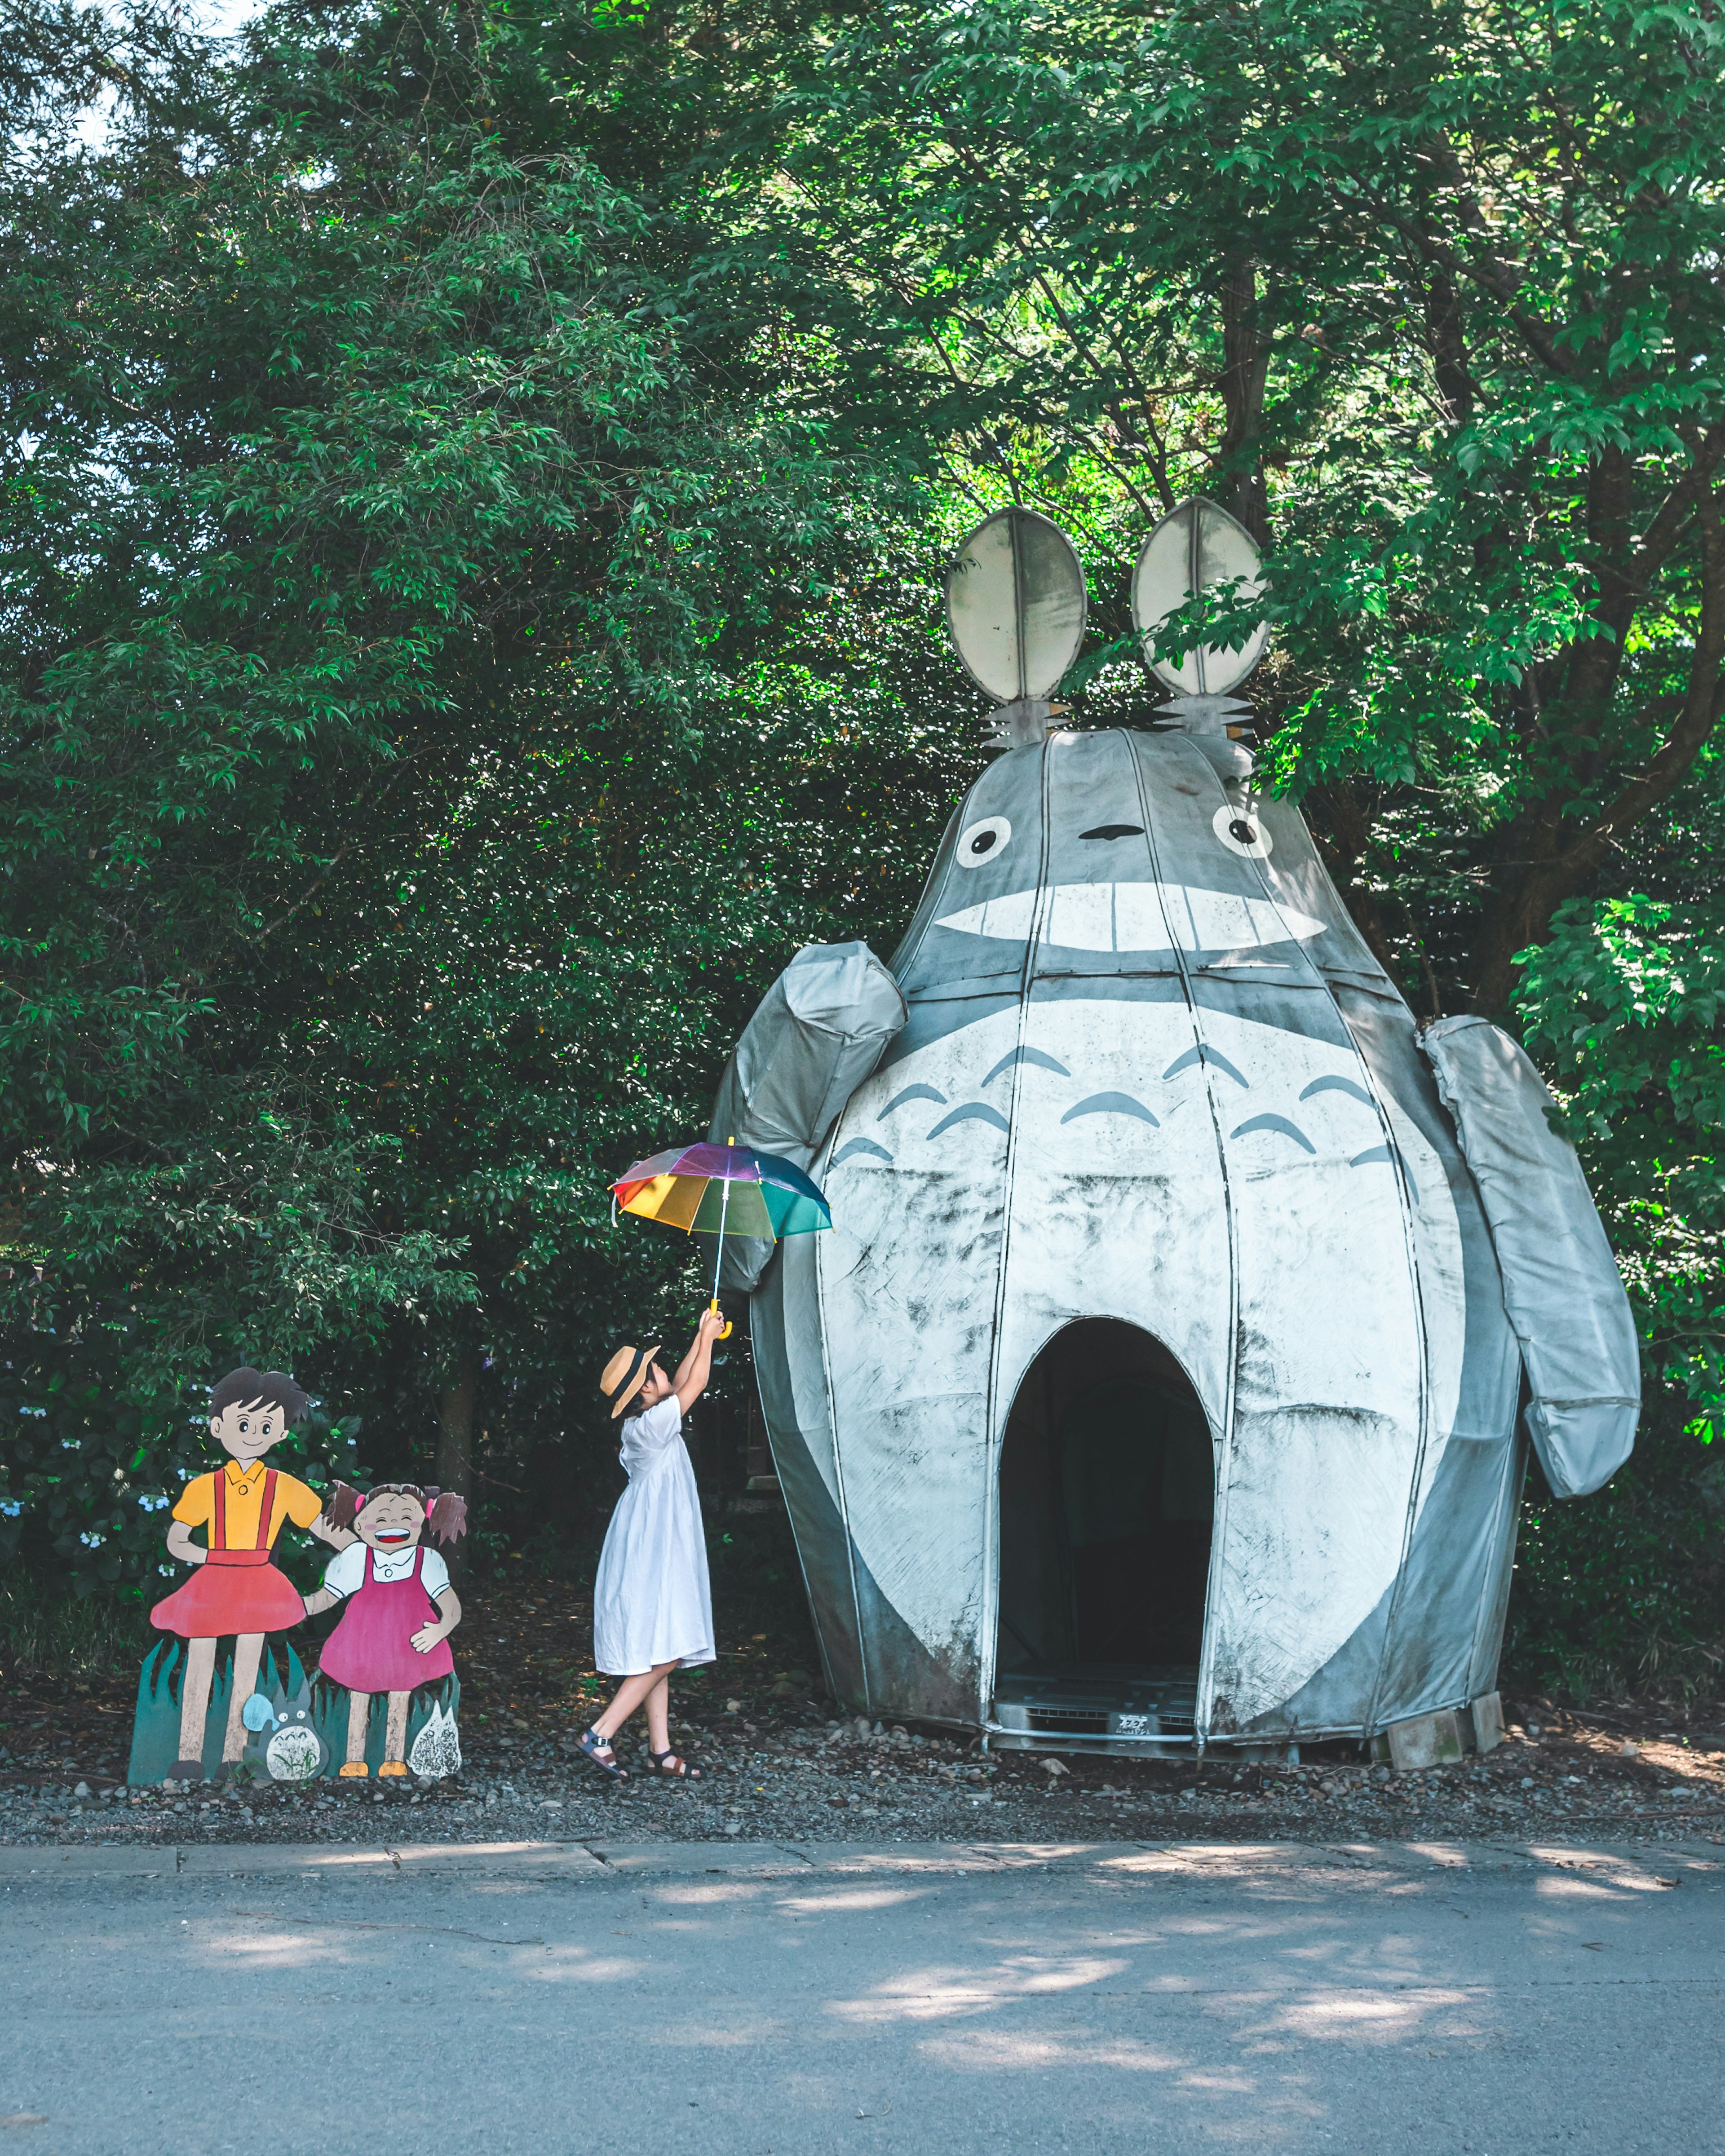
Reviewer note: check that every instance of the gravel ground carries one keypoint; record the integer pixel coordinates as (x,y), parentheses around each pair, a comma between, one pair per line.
(780,1763)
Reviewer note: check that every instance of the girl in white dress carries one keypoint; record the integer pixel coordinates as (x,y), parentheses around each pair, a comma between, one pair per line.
(652,1603)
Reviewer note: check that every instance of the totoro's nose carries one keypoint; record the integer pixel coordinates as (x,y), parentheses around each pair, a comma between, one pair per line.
(1115,831)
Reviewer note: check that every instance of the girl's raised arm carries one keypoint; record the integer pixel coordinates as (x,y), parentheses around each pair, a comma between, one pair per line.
(696,1367)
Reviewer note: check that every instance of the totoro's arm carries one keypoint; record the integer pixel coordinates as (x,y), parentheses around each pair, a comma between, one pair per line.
(1561,1286)
(821,1029)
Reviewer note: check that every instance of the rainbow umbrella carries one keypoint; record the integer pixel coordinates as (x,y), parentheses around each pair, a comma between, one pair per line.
(722,1190)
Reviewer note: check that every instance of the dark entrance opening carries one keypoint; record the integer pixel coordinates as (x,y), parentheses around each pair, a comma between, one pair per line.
(1106,1496)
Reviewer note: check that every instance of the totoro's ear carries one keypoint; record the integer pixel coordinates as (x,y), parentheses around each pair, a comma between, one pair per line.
(1168,579)
(1016,607)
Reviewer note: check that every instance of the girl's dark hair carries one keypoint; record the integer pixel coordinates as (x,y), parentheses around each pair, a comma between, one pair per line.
(247,1387)
(446,1513)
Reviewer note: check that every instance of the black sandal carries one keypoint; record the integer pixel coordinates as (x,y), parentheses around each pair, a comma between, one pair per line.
(593,1745)
(682,1772)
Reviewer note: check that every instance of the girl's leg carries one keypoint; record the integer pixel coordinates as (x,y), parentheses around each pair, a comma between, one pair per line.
(247,1650)
(629,1695)
(659,1717)
(194,1698)
(395,1736)
(359,1711)
(664,1761)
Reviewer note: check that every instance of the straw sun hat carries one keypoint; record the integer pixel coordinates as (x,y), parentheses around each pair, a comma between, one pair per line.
(624,1375)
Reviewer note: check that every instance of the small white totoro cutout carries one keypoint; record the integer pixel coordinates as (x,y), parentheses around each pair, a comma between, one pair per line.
(437,1749)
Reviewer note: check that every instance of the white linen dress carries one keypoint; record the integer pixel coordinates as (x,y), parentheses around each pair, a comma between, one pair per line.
(652,1601)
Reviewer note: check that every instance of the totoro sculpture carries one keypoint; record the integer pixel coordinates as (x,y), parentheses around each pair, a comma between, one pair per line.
(1159,1382)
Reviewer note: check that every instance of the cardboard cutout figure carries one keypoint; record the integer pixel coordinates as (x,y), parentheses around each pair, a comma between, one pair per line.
(393,1635)
(437,1748)
(236,1588)
(156,1723)
(285,1745)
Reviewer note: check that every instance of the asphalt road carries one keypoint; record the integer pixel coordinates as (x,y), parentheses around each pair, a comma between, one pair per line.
(1494,1998)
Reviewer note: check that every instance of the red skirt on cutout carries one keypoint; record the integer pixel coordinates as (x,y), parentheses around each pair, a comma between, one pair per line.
(231,1591)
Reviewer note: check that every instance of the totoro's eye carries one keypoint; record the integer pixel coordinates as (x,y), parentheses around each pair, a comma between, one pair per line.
(1241,833)
(983,842)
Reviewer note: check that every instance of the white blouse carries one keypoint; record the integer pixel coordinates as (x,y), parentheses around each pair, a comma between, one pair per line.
(345,1571)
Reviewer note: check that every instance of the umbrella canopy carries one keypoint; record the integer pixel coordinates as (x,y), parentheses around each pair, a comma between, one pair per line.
(723,1190)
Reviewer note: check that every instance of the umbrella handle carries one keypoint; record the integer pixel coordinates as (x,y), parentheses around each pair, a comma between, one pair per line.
(724,1207)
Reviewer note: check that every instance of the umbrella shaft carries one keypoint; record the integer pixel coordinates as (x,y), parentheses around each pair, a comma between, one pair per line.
(724,1207)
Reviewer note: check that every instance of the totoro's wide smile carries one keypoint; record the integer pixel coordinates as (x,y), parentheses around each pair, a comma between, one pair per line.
(1137,916)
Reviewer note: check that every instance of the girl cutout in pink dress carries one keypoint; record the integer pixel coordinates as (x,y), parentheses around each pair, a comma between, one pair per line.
(393,1635)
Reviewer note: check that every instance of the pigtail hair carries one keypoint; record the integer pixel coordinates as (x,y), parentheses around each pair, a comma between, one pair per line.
(449,1515)
(341,1507)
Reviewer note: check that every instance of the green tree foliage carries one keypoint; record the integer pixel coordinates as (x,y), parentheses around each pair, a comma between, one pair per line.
(1428,297)
(1427,293)
(394,849)
(1624,1007)
(473,491)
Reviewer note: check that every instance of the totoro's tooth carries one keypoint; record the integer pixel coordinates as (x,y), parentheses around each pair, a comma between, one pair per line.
(1137,917)
(1080,916)
(1008,919)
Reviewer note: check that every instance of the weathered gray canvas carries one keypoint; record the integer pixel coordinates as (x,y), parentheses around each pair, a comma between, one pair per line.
(1150,1074)
(817,1034)
(1561,1285)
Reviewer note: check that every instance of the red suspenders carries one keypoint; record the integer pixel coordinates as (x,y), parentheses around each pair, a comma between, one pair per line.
(260,1540)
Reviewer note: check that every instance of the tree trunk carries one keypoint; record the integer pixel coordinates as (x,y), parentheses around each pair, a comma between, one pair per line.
(1341,827)
(1443,335)
(1509,928)
(1246,371)
(456,1403)
(1554,863)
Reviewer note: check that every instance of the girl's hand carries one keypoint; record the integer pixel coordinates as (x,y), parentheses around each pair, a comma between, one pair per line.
(426,1638)
(710,1325)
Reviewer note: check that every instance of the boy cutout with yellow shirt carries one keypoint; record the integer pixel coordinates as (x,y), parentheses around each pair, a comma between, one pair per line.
(237,1587)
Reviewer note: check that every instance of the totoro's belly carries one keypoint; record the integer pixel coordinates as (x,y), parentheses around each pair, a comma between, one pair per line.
(1239,1190)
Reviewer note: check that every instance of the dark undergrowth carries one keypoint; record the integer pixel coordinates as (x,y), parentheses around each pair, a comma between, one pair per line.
(1625,1591)
(46,1630)
(1620,1594)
